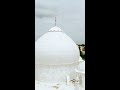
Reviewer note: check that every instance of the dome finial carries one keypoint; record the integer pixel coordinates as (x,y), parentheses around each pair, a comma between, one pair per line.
(55,20)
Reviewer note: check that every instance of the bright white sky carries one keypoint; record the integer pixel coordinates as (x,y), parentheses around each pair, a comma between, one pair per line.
(70,17)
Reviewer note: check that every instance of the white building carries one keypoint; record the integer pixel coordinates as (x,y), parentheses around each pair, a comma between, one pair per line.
(58,65)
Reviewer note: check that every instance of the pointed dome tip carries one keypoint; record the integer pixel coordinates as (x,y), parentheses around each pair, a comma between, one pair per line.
(55,29)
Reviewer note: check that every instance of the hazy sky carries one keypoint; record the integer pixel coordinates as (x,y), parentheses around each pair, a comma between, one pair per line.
(70,16)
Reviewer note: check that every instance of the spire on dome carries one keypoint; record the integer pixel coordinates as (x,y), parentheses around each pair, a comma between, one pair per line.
(55,21)
(55,28)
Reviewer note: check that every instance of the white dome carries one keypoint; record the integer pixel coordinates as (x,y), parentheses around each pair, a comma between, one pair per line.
(56,48)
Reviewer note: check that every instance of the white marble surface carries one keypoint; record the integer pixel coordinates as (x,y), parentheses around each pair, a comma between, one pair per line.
(51,86)
(63,86)
(55,86)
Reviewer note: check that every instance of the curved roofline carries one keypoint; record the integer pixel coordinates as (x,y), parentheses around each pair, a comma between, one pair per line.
(55,29)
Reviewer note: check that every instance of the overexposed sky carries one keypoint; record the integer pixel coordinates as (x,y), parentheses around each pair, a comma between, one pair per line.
(70,16)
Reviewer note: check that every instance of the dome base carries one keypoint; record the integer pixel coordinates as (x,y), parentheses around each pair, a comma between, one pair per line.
(55,73)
